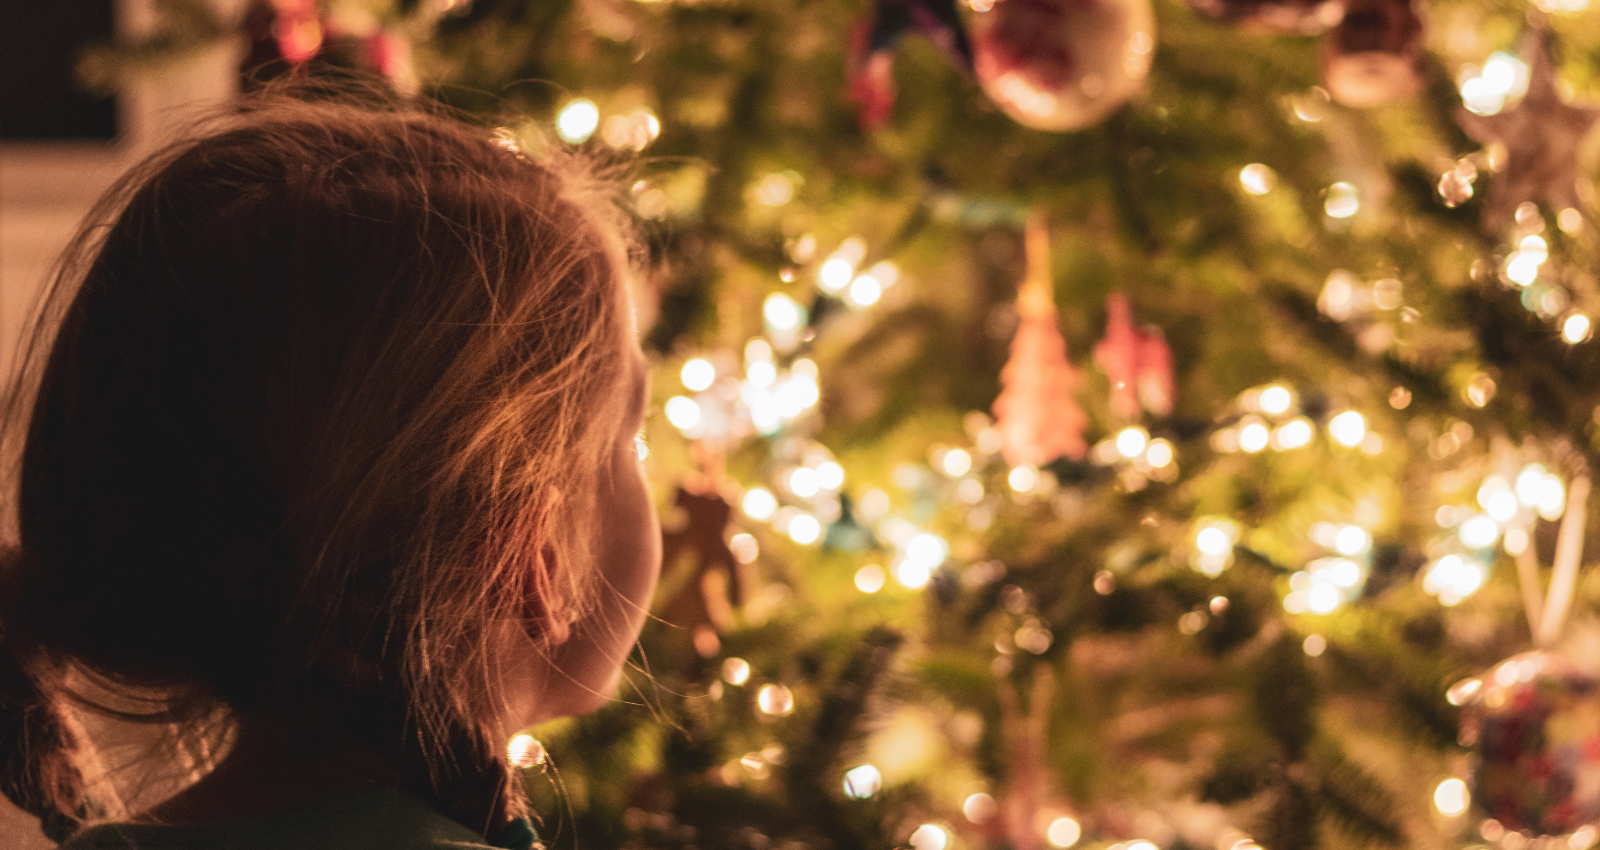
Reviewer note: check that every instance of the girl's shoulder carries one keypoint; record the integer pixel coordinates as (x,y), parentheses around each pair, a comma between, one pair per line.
(375,818)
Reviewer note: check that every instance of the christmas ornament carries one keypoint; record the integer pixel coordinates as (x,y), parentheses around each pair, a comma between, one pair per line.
(1375,53)
(1137,361)
(1541,136)
(1536,720)
(1063,64)
(714,585)
(1281,17)
(1036,414)
(872,54)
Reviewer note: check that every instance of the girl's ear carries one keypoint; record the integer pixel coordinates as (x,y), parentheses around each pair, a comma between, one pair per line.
(541,622)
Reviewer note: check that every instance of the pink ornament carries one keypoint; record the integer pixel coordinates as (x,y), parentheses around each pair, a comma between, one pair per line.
(1137,361)
(1063,64)
(1037,414)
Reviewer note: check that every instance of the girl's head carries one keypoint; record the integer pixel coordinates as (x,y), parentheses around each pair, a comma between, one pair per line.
(335,434)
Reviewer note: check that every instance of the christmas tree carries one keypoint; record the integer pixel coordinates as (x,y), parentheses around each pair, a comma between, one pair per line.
(1203,516)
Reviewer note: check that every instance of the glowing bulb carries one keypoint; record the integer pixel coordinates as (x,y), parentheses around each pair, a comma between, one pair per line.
(1313,645)
(912,574)
(1131,441)
(698,374)
(804,529)
(1348,428)
(735,671)
(957,462)
(744,548)
(803,482)
(1275,400)
(1463,691)
(835,274)
(929,837)
(979,807)
(761,373)
(1351,540)
(1502,505)
(775,700)
(782,312)
(525,751)
(862,781)
(1323,598)
(885,272)
(830,476)
(1479,532)
(864,291)
(1254,436)
(1294,434)
(1576,328)
(1522,267)
(1552,498)
(870,578)
(759,503)
(1064,831)
(1023,478)
(1257,179)
(927,549)
(577,121)
(1342,200)
(682,412)
(1530,484)
(1212,540)
(1451,798)
(1159,454)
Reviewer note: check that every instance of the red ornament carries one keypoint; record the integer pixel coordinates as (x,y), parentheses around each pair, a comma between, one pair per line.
(1063,64)
(1137,361)
(1037,415)
(1375,53)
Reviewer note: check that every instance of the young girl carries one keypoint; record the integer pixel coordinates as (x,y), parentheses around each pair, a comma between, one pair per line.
(335,440)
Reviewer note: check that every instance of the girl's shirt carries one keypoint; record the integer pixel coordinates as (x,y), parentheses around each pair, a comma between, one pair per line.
(375,818)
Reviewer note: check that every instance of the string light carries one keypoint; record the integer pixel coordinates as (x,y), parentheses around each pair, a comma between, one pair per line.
(979,807)
(1023,478)
(1253,434)
(1478,532)
(862,781)
(775,700)
(1485,92)
(744,548)
(864,291)
(1131,441)
(735,671)
(956,462)
(1451,797)
(1453,578)
(1347,428)
(1160,453)
(758,503)
(1257,179)
(804,529)
(698,374)
(830,476)
(1576,328)
(525,751)
(1341,201)
(1064,831)
(682,412)
(782,312)
(835,274)
(870,578)
(577,121)
(929,837)
(1275,400)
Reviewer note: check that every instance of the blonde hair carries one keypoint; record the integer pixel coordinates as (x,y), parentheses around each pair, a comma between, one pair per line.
(320,399)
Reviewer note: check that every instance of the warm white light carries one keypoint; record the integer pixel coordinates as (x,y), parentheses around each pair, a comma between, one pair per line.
(1342,200)
(758,503)
(744,548)
(776,700)
(761,373)
(862,781)
(835,274)
(1576,328)
(1463,691)
(682,412)
(885,272)
(782,312)
(641,448)
(830,476)
(1257,179)
(1294,434)
(1502,505)
(1530,484)
(1522,268)
(1348,428)
(870,578)
(1159,453)
(525,751)
(956,462)
(1064,831)
(1343,572)
(1451,798)
(912,574)
(1323,598)
(1351,540)
(1131,441)
(979,807)
(804,529)
(1479,532)
(698,374)
(1023,478)
(803,482)
(577,121)
(735,671)
(1212,540)
(1453,578)
(1552,498)
(927,549)
(1313,645)
(864,291)
(1275,400)
(929,837)
(1254,436)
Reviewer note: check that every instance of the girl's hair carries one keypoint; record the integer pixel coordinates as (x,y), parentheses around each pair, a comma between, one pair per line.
(327,393)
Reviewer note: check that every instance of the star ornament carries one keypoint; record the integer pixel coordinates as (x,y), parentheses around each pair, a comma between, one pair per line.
(1541,137)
